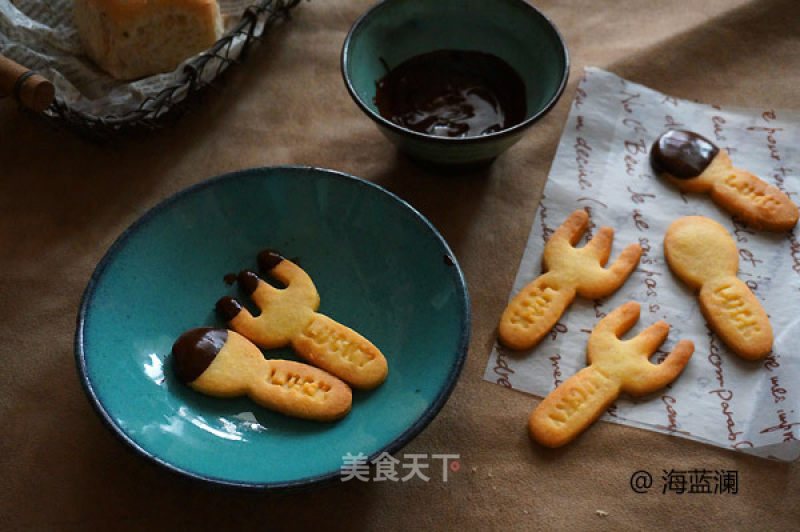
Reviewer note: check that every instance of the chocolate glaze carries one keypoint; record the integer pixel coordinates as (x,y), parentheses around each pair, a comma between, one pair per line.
(268,259)
(228,308)
(195,350)
(682,154)
(452,93)
(248,281)
(229,278)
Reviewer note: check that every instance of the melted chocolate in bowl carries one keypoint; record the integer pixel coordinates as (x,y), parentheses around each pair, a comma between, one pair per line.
(452,93)
(682,154)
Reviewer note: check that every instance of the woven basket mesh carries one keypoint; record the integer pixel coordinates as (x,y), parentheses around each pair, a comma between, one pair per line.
(163,107)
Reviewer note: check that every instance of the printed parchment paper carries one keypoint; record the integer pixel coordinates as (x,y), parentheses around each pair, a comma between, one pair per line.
(42,36)
(602,166)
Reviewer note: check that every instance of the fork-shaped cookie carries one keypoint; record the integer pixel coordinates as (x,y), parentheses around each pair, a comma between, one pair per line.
(615,366)
(289,317)
(569,270)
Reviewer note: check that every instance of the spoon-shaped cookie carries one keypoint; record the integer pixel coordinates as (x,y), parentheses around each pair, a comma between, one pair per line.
(694,164)
(222,363)
(615,366)
(569,270)
(288,317)
(703,254)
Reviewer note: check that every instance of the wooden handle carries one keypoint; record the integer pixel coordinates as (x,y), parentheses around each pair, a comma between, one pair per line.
(32,90)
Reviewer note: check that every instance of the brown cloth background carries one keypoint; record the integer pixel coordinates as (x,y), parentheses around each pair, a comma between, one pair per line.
(64,200)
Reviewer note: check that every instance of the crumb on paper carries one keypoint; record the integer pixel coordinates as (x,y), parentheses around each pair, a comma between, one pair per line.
(601,513)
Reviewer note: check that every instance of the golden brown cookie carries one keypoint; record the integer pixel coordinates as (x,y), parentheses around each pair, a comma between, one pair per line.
(537,307)
(222,363)
(694,164)
(615,367)
(703,254)
(288,317)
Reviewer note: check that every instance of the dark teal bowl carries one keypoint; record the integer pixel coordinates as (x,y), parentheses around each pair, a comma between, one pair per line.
(379,267)
(513,30)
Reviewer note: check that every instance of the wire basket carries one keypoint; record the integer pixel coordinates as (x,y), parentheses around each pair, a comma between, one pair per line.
(168,103)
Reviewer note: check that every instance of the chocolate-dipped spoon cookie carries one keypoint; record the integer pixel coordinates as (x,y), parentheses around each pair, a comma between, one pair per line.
(223,363)
(694,164)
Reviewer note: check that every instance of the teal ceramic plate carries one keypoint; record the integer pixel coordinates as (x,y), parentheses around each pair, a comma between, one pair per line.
(380,267)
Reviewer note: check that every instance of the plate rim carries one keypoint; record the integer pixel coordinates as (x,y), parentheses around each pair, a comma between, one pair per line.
(281,486)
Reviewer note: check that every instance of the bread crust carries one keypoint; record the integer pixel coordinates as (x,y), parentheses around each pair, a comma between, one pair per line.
(131,39)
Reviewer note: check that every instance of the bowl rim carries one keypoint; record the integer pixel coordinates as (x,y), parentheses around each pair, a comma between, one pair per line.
(283,486)
(513,130)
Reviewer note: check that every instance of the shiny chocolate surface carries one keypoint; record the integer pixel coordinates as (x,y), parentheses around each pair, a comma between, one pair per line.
(682,154)
(195,350)
(452,93)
